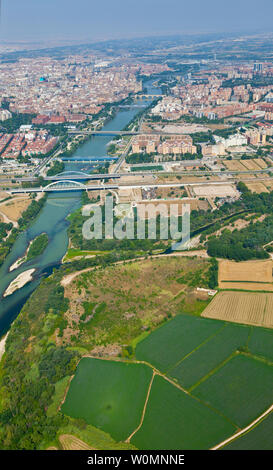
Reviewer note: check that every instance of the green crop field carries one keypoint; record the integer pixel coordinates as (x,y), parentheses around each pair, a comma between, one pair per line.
(174,420)
(109,395)
(258,438)
(228,387)
(261,343)
(167,345)
(206,358)
(241,389)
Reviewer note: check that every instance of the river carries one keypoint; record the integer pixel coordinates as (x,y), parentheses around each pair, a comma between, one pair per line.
(53,221)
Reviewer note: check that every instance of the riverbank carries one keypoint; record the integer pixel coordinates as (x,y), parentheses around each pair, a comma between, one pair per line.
(53,220)
(21,260)
(3,345)
(20,281)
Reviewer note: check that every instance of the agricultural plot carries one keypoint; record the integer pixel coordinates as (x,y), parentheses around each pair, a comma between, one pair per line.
(14,208)
(234,165)
(69,442)
(174,420)
(260,162)
(258,438)
(210,355)
(242,307)
(248,275)
(225,390)
(220,190)
(261,343)
(109,395)
(170,343)
(249,271)
(241,389)
(257,187)
(269,184)
(250,165)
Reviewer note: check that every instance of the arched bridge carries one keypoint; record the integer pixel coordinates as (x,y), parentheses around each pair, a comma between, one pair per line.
(79,175)
(72,174)
(65,185)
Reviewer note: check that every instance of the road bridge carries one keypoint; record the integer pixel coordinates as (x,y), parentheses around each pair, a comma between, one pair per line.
(88,159)
(79,175)
(103,133)
(148,96)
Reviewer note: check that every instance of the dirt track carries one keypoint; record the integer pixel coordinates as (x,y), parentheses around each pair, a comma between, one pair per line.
(70,277)
(243,431)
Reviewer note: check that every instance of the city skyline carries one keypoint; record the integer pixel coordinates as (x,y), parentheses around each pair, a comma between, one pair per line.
(89,21)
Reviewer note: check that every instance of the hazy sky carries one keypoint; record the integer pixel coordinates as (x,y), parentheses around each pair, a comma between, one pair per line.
(99,19)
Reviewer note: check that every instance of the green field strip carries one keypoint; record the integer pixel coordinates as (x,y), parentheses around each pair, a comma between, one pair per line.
(260,343)
(246,282)
(187,392)
(109,395)
(144,409)
(249,335)
(215,410)
(211,355)
(241,388)
(252,291)
(212,372)
(175,420)
(165,346)
(258,358)
(197,348)
(259,437)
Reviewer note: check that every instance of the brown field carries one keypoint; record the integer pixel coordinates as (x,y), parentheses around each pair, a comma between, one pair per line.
(260,162)
(144,213)
(70,442)
(250,165)
(14,208)
(250,271)
(129,195)
(234,165)
(219,190)
(257,187)
(253,286)
(242,307)
(269,184)
(3,195)
(246,178)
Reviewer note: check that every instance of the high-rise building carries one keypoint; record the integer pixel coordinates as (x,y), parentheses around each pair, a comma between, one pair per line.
(258,68)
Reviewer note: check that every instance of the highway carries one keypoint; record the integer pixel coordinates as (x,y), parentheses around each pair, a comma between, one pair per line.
(74,186)
(94,176)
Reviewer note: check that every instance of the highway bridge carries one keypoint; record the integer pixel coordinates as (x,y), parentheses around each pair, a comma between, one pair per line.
(103,133)
(62,186)
(79,175)
(147,97)
(67,186)
(88,159)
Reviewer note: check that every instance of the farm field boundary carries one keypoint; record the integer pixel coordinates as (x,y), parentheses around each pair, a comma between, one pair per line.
(215,367)
(250,308)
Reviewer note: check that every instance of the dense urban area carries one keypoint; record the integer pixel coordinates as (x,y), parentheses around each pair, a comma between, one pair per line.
(130,343)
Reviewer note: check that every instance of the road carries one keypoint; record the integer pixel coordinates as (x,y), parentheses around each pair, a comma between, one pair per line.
(82,187)
(116,174)
(246,429)
(122,157)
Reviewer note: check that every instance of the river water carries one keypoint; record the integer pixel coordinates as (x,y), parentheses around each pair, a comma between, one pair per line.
(52,220)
